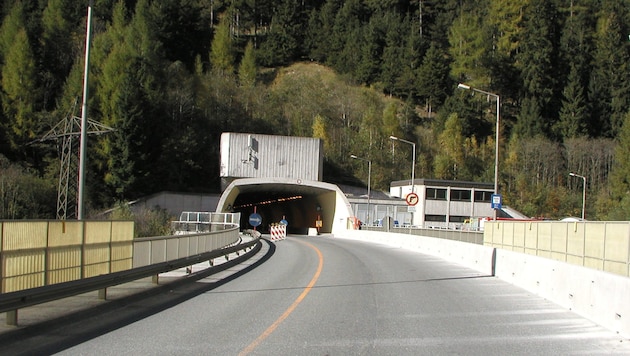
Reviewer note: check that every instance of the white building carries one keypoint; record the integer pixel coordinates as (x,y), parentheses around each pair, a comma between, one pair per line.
(445,203)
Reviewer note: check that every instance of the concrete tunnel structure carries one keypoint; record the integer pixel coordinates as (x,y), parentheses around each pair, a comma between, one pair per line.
(300,202)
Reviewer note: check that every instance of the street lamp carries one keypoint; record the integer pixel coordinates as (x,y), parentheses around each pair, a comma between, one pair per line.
(496,148)
(583,191)
(369,183)
(413,165)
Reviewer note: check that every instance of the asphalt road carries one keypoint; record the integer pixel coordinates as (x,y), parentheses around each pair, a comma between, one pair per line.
(328,296)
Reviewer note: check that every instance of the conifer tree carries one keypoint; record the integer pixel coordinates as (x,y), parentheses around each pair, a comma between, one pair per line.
(247,69)
(222,51)
(573,114)
(12,23)
(537,62)
(433,77)
(283,43)
(21,91)
(58,30)
(469,46)
(611,73)
(620,175)
(450,158)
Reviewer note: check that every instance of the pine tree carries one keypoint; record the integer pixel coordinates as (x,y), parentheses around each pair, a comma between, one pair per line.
(58,30)
(433,77)
(620,175)
(247,70)
(469,46)
(284,41)
(13,23)
(537,62)
(609,90)
(222,51)
(507,17)
(451,154)
(370,55)
(21,91)
(573,114)
(575,54)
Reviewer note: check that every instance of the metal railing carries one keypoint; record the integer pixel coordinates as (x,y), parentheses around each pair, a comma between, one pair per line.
(59,258)
(11,302)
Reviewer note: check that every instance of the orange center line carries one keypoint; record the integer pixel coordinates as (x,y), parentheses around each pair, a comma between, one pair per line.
(289,310)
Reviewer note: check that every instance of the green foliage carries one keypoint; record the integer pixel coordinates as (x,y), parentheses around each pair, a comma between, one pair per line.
(222,52)
(620,176)
(433,81)
(469,47)
(147,222)
(247,70)
(24,195)
(21,90)
(162,73)
(536,60)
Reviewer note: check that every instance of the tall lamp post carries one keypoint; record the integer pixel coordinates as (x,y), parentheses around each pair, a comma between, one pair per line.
(84,116)
(413,164)
(583,191)
(496,138)
(369,183)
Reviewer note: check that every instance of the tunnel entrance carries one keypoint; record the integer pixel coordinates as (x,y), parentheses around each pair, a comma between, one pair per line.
(301,204)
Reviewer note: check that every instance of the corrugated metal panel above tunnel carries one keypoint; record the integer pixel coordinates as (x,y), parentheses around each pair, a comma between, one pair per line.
(266,156)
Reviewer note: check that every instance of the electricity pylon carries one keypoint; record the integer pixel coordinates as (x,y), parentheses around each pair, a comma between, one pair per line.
(67,133)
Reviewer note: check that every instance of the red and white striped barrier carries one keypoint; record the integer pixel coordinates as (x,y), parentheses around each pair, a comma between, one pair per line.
(278,232)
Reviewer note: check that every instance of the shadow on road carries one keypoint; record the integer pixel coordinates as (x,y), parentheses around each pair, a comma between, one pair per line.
(61,333)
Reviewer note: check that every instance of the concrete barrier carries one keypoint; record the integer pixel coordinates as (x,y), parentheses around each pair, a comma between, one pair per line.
(473,256)
(600,296)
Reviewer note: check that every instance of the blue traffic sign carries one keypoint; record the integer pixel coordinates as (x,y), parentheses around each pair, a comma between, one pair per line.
(284,222)
(255,219)
(497,201)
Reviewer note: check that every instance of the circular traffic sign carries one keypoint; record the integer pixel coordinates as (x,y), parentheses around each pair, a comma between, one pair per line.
(412,199)
(255,219)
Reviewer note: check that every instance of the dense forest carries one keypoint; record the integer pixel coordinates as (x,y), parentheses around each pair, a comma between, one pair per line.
(168,76)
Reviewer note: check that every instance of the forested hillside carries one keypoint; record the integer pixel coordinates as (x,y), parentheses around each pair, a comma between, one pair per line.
(170,75)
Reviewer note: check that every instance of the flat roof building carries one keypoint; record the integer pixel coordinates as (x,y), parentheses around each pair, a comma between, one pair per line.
(445,203)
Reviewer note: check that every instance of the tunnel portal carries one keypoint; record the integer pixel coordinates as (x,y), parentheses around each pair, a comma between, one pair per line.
(301,203)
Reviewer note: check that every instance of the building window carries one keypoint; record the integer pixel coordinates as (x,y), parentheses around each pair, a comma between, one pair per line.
(483,196)
(435,218)
(436,194)
(460,195)
(457,218)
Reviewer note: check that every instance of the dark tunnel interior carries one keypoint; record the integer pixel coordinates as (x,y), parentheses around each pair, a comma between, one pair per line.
(300,209)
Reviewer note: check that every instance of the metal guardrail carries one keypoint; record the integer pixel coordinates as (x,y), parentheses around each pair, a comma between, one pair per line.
(12,301)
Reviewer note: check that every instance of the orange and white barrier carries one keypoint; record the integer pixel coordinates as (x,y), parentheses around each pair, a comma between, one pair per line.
(278,232)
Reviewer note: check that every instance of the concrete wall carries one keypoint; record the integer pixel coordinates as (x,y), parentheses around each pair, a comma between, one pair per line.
(600,245)
(597,295)
(174,203)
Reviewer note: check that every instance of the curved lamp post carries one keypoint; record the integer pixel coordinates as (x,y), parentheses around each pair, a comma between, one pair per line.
(369,183)
(413,165)
(496,148)
(583,191)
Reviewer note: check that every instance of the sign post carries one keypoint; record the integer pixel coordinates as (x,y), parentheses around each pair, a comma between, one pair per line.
(255,219)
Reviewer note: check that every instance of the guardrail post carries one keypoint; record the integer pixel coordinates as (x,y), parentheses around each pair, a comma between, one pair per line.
(155,279)
(12,316)
(102,293)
